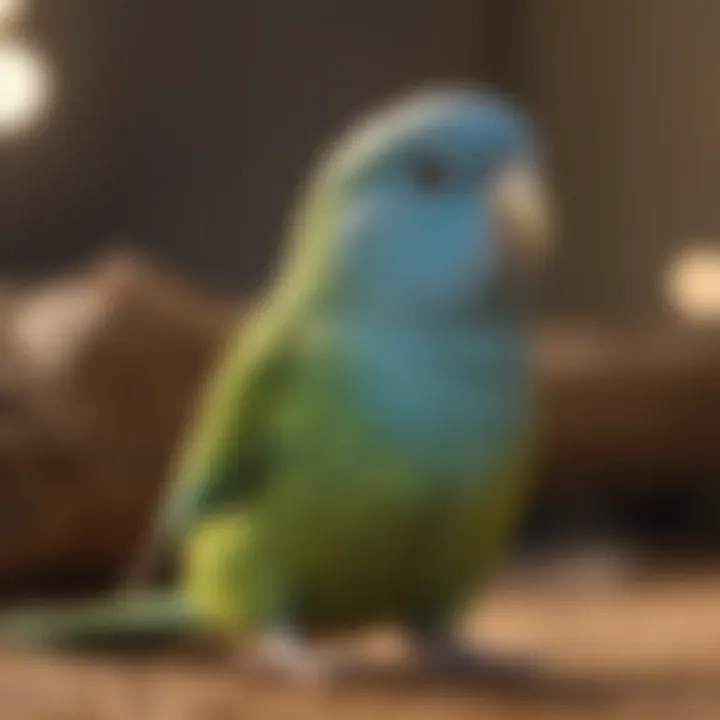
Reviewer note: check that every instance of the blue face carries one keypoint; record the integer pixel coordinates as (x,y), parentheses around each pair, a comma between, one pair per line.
(417,231)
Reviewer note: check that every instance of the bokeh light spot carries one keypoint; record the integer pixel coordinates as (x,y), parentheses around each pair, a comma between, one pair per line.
(24,87)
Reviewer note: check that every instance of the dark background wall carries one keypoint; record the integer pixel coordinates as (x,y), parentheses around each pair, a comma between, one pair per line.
(183,127)
(628,92)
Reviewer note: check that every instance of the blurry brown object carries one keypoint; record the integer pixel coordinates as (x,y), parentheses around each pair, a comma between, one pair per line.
(98,373)
(628,406)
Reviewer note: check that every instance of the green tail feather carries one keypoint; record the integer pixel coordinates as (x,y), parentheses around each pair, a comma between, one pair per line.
(110,623)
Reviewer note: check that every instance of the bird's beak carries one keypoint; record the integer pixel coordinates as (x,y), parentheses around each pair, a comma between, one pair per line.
(523,209)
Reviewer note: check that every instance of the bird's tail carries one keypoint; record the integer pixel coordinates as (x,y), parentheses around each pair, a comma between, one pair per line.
(102,624)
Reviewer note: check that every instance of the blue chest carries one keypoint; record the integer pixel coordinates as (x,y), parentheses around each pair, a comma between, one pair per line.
(452,399)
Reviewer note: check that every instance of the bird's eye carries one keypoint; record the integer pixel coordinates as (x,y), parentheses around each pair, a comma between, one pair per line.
(430,174)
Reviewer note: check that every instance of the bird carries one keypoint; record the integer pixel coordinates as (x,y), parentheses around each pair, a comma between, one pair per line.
(363,450)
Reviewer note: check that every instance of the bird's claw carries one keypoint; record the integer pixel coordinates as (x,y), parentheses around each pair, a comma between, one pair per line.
(460,661)
(284,657)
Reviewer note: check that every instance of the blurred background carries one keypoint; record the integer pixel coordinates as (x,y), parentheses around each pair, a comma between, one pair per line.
(149,152)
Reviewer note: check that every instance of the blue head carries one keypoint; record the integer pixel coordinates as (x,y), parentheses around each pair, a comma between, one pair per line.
(425,207)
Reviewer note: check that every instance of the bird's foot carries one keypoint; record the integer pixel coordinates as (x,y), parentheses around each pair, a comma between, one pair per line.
(283,656)
(457,660)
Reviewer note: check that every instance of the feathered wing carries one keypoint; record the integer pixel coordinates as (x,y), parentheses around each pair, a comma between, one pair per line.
(225,453)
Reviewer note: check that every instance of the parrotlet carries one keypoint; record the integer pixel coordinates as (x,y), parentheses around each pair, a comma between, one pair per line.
(363,450)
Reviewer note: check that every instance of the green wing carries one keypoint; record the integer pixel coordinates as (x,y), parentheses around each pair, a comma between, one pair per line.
(226,453)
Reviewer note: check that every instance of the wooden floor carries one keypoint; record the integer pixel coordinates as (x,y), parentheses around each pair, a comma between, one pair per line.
(649,649)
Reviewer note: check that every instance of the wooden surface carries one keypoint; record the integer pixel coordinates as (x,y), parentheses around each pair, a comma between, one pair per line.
(646,650)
